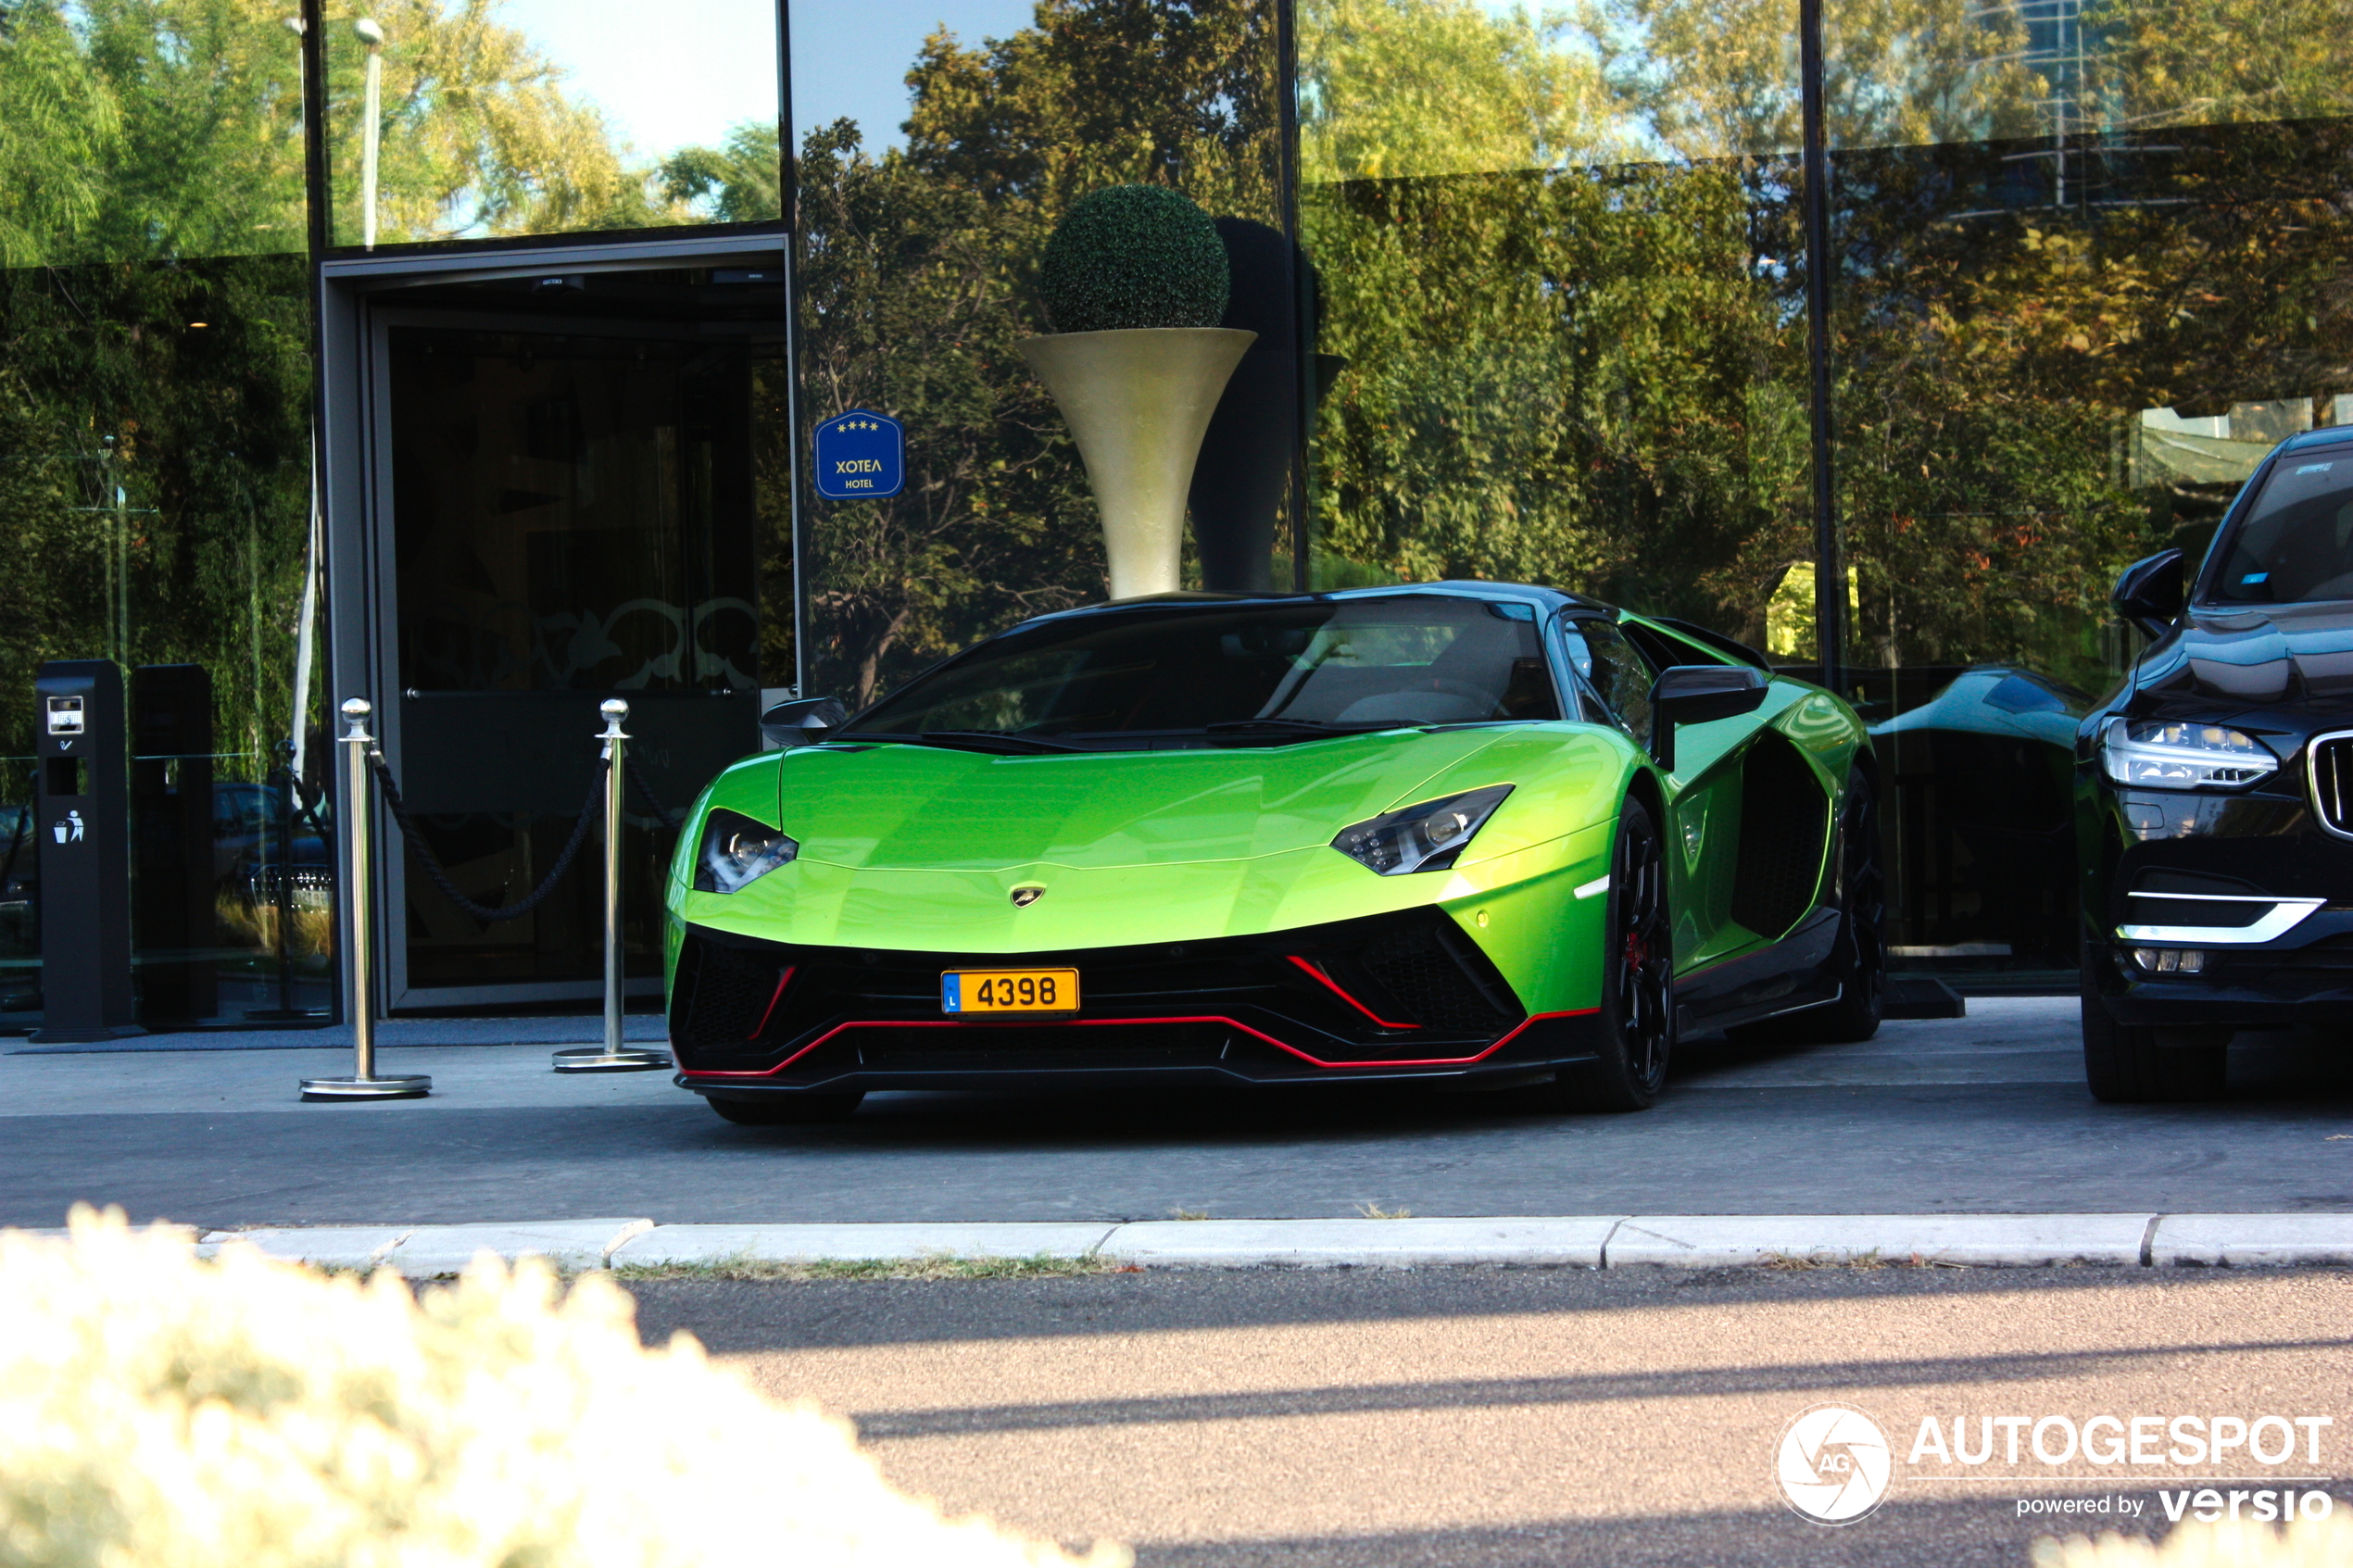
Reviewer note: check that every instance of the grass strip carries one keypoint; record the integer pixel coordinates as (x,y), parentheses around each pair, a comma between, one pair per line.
(743,1266)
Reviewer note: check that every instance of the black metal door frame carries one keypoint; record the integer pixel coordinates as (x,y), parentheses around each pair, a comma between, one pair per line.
(360,301)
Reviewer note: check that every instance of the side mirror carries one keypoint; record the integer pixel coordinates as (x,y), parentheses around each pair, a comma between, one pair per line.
(2149,592)
(804,723)
(1693,693)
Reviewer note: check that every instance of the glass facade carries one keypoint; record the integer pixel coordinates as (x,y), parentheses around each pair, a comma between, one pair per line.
(154,490)
(1530,298)
(918,235)
(1562,331)
(155,477)
(2085,278)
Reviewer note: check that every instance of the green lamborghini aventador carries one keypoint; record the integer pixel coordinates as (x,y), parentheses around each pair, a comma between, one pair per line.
(1501,836)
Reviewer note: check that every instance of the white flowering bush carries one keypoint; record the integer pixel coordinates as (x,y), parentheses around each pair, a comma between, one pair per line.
(2308,1543)
(160,1411)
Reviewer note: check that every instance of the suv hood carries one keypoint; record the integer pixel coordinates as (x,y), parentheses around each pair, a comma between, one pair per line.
(927,808)
(2256,655)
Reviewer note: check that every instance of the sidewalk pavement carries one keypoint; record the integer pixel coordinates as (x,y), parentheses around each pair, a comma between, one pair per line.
(1572,1241)
(638,1028)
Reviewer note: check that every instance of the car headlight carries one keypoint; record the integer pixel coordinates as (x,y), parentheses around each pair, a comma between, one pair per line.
(737,851)
(2168,754)
(1420,838)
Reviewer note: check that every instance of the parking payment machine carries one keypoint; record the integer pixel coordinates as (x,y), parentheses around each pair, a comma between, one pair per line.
(82,796)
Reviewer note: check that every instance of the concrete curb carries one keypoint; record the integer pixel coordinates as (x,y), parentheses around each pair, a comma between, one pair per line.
(689,1245)
(2146,1240)
(1574,1241)
(2251,1240)
(429,1251)
(1981,1240)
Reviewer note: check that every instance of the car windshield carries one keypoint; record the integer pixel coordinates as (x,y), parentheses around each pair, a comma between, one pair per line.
(2296,541)
(1347,664)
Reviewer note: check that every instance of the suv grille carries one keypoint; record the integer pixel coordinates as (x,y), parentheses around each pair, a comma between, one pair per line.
(2332,766)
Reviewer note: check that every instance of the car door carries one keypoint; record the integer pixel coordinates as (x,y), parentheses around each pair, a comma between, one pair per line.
(1706,790)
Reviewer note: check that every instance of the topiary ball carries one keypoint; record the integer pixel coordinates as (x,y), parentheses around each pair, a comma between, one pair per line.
(1133,255)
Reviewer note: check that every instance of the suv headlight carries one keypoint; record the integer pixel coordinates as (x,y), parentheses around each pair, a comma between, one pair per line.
(2166,754)
(737,851)
(1420,838)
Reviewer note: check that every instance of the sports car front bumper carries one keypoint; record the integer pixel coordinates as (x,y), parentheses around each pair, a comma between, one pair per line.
(1406,995)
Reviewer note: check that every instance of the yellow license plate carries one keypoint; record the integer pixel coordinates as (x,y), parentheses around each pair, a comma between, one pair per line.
(1008,990)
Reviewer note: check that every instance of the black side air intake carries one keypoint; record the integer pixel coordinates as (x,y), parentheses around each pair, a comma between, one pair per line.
(1783,818)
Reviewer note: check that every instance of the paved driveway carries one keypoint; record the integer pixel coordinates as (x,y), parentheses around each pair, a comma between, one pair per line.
(1547,1418)
(1982,1114)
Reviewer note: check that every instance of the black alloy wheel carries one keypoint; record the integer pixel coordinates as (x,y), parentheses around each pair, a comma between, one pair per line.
(1862,940)
(784,1109)
(1637,981)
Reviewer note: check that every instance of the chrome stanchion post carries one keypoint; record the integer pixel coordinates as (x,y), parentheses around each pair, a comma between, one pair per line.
(612,1057)
(359,893)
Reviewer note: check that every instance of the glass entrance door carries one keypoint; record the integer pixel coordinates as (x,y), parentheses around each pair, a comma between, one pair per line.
(579,508)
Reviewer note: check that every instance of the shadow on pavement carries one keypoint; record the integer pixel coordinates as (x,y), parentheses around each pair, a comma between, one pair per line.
(1973,1533)
(743,1317)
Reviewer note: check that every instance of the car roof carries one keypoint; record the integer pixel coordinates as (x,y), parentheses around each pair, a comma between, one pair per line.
(1498,592)
(2327,435)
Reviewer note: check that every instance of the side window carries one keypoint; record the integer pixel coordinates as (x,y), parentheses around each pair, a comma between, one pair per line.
(1618,672)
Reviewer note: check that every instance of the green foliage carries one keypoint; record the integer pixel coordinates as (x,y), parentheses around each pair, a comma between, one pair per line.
(1397,88)
(480,139)
(1175,93)
(2206,62)
(906,307)
(736,183)
(1567,378)
(154,478)
(1133,255)
(58,132)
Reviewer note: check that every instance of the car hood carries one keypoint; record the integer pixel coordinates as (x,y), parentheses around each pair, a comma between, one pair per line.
(2276,653)
(1994,700)
(929,807)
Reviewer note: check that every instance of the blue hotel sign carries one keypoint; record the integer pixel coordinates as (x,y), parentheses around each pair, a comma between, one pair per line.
(860,455)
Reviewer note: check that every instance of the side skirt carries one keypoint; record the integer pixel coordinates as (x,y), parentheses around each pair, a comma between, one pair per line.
(1796,973)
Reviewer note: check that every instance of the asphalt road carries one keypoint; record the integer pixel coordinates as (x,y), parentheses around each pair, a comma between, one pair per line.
(1982,1114)
(1518,1418)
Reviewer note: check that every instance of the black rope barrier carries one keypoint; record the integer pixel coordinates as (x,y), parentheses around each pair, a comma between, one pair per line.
(589,814)
(663,814)
(308,811)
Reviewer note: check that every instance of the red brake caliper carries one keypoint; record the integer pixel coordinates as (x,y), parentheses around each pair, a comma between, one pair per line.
(1637,950)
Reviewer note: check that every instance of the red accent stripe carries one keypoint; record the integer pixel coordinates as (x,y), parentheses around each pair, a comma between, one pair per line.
(1117,1022)
(777,995)
(1333,986)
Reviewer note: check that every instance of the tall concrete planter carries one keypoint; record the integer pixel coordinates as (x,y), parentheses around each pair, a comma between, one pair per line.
(1138,400)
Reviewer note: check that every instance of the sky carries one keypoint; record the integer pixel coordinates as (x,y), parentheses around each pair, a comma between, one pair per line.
(850,56)
(675,74)
(685,71)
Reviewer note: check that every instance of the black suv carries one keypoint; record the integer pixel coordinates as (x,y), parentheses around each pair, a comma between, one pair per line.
(2214,790)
